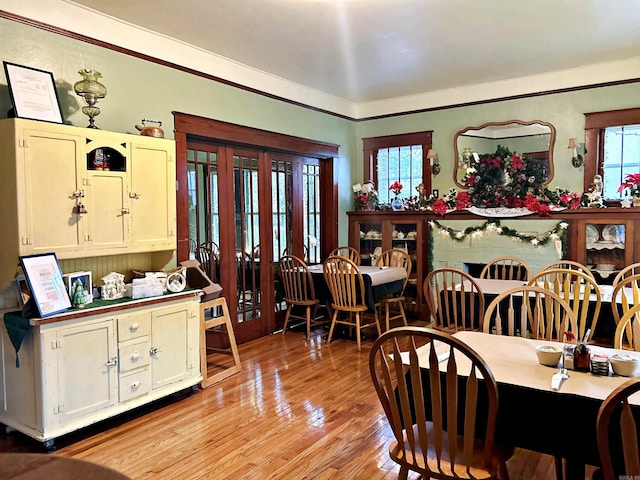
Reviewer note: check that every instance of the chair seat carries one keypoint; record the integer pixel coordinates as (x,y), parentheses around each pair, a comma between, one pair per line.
(477,468)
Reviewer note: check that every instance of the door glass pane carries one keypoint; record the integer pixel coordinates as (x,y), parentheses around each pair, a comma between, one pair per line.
(247,226)
(311,196)
(282,207)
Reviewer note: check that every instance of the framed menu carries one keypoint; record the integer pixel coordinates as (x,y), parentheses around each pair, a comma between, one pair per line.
(45,282)
(33,93)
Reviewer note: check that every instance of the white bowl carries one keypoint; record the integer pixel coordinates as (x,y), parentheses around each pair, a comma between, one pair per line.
(625,365)
(549,355)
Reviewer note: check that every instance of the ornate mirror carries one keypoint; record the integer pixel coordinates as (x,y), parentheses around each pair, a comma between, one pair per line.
(533,139)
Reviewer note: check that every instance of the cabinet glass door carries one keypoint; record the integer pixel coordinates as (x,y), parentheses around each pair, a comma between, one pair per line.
(404,235)
(370,242)
(605,249)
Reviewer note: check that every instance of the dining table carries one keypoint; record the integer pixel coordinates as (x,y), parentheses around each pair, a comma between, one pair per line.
(531,414)
(606,325)
(379,282)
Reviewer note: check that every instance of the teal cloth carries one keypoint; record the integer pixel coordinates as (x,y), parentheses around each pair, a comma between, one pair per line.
(17,327)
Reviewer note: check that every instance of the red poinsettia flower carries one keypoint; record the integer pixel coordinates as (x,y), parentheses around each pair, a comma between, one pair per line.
(439,207)
(396,187)
(462,201)
(516,162)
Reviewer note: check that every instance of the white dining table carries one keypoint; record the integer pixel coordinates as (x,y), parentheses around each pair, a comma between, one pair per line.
(513,361)
(531,414)
(378,275)
(490,286)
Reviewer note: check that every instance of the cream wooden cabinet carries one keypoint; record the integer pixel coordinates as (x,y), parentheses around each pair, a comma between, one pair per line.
(153,195)
(81,192)
(76,369)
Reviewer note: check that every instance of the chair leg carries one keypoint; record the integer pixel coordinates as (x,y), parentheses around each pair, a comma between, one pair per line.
(404,317)
(308,310)
(358,330)
(386,315)
(333,325)
(286,318)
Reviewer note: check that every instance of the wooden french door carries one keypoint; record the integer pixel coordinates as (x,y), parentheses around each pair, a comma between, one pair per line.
(254,202)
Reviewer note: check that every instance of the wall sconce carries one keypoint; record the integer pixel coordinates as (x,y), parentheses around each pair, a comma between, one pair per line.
(433,161)
(576,159)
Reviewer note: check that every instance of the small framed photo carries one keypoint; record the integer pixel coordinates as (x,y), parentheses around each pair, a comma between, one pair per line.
(45,282)
(33,93)
(85,280)
(21,288)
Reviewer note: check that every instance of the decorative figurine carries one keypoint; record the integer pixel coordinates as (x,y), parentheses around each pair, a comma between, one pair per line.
(79,296)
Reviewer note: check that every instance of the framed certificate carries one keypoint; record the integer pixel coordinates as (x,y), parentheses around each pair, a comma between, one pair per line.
(33,93)
(45,282)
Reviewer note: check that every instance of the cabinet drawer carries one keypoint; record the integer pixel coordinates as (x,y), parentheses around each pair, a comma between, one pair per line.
(134,326)
(134,385)
(134,354)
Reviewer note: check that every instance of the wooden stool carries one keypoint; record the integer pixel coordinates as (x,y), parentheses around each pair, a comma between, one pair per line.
(207,323)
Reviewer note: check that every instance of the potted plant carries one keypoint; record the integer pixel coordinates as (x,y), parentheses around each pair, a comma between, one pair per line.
(632,183)
(365,196)
(396,188)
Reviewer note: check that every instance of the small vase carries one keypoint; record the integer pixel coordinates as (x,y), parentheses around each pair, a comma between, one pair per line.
(396,204)
(636,201)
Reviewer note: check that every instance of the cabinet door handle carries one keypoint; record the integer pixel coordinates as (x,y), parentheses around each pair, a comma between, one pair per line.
(134,195)
(153,350)
(112,361)
(134,327)
(125,211)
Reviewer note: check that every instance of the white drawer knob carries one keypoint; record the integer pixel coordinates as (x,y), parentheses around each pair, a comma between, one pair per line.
(133,327)
(135,356)
(135,385)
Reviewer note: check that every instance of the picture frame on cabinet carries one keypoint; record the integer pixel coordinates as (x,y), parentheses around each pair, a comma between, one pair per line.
(86,280)
(22,291)
(33,93)
(45,282)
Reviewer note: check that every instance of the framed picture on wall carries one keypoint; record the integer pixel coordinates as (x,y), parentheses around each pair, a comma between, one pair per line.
(45,282)
(33,93)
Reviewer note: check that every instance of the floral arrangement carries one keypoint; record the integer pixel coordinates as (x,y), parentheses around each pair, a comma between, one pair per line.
(503,179)
(631,182)
(396,187)
(365,196)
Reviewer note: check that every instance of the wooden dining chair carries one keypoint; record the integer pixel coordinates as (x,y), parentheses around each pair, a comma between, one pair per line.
(586,304)
(299,292)
(544,316)
(454,299)
(208,254)
(394,306)
(625,452)
(348,252)
(568,265)
(506,268)
(625,294)
(628,271)
(435,408)
(627,334)
(346,285)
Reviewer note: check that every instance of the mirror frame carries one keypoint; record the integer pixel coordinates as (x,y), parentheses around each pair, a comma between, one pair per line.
(552,141)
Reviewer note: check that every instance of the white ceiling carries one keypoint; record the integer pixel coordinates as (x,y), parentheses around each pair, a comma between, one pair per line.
(374,50)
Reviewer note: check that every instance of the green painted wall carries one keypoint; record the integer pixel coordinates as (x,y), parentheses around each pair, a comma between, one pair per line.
(565,111)
(138,89)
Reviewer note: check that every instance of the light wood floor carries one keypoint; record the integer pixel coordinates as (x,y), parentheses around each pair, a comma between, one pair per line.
(297,410)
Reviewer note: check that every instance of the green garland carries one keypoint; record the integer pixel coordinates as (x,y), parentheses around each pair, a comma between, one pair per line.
(559,232)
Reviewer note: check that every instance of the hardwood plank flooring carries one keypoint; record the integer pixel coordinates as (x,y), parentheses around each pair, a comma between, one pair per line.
(297,410)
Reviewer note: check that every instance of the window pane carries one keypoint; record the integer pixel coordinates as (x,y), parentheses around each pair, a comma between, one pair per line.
(399,163)
(621,157)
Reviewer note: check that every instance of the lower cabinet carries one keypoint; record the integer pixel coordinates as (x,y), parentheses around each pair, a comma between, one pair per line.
(76,372)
